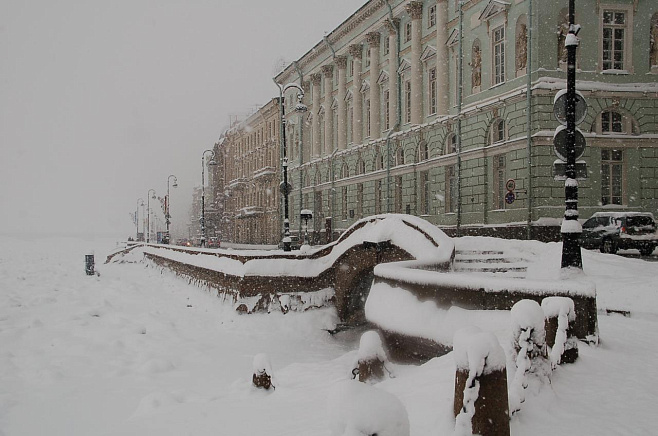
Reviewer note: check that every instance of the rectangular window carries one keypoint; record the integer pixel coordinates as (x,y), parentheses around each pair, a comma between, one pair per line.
(378,196)
(498,41)
(424,193)
(611,176)
(350,68)
(359,200)
(344,201)
(387,45)
(451,189)
(387,110)
(367,57)
(432,91)
(499,182)
(407,32)
(614,38)
(367,109)
(398,194)
(407,101)
(431,17)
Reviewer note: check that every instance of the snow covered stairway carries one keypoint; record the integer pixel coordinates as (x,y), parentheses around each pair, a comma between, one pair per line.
(490,262)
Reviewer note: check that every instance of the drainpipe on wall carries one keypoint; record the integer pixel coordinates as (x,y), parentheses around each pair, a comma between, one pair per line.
(529,121)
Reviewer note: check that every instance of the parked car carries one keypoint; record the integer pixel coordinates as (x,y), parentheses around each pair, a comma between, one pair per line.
(213,242)
(612,231)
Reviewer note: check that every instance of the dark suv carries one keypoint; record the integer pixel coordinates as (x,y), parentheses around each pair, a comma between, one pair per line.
(612,231)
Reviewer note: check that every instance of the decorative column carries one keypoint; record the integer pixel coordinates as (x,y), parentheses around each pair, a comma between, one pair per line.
(341,63)
(356,51)
(316,80)
(443,88)
(415,10)
(305,136)
(375,110)
(393,27)
(328,73)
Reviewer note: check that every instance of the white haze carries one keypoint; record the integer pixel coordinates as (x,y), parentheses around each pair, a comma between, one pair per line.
(102,101)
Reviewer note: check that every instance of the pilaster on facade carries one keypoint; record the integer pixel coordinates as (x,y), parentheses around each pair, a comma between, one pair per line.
(393,27)
(356,51)
(415,11)
(373,39)
(328,73)
(442,63)
(316,81)
(341,63)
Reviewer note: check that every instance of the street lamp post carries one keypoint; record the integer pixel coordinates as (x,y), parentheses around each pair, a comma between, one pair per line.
(203,192)
(148,214)
(167,201)
(285,186)
(140,202)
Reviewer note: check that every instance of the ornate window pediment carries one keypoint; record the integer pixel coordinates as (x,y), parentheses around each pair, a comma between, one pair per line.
(348,95)
(365,86)
(492,9)
(321,110)
(453,38)
(428,53)
(334,104)
(383,78)
(405,65)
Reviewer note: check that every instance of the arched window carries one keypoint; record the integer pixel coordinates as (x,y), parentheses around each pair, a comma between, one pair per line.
(521,46)
(496,131)
(476,67)
(423,151)
(345,171)
(360,166)
(614,121)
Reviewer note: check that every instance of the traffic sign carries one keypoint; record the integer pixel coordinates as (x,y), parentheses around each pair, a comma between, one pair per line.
(510,184)
(510,197)
(285,189)
(560,107)
(560,170)
(560,143)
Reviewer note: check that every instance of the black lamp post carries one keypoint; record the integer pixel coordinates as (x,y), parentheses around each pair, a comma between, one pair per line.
(140,202)
(167,201)
(300,108)
(148,214)
(203,192)
(571,230)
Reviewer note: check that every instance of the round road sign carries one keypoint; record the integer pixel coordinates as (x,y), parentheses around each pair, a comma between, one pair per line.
(560,107)
(510,184)
(510,197)
(560,143)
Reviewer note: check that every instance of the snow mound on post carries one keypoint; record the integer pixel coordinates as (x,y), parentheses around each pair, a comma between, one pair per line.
(478,352)
(261,363)
(371,347)
(358,409)
(556,306)
(528,314)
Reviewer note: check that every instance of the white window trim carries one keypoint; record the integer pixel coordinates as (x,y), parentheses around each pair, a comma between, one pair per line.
(628,38)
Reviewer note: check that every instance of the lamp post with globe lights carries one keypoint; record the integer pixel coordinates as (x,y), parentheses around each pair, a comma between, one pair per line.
(203,192)
(148,214)
(167,205)
(140,202)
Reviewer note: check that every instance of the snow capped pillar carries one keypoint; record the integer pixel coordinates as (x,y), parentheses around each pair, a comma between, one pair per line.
(443,89)
(393,78)
(341,63)
(415,10)
(356,51)
(316,80)
(559,313)
(328,73)
(375,124)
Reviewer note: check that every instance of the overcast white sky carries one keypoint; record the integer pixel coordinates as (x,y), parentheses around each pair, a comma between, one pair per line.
(102,100)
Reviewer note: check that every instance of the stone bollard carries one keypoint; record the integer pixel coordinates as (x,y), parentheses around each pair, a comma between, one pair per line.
(262,372)
(480,403)
(372,359)
(559,313)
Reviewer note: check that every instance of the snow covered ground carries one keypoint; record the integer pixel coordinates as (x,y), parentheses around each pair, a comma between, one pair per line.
(123,354)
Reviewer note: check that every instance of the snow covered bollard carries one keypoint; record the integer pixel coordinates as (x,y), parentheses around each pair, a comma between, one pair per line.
(262,372)
(359,409)
(529,341)
(559,313)
(481,404)
(372,359)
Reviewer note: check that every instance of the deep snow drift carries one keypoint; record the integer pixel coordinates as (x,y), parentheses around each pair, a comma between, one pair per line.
(122,353)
